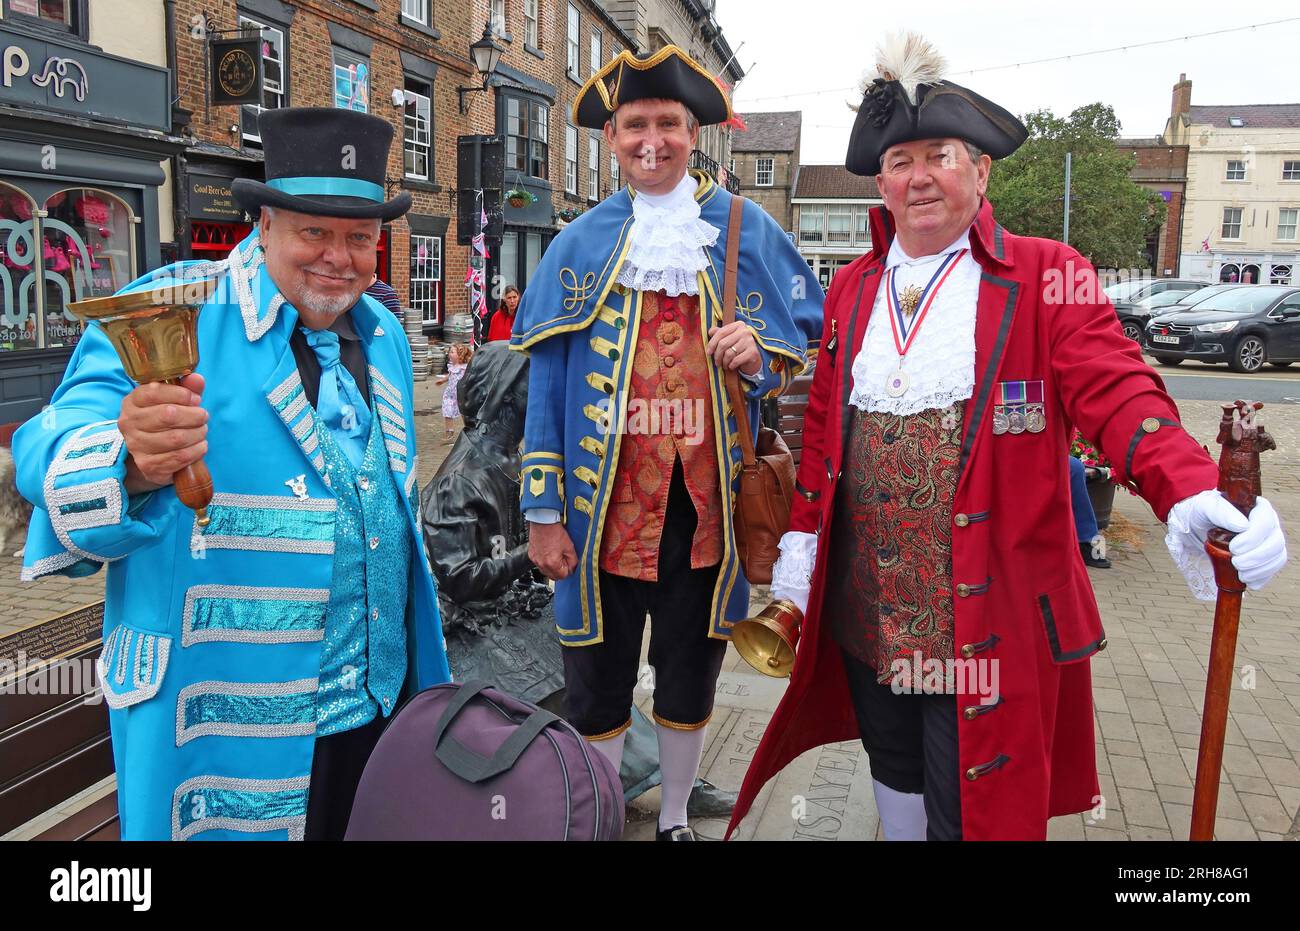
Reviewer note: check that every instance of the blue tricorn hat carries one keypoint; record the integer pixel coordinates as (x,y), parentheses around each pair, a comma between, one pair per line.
(668,74)
(323,162)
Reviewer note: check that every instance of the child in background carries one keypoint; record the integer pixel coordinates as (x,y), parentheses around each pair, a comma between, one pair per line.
(457,362)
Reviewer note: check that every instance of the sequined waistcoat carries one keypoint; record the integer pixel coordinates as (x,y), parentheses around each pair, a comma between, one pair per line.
(363,656)
(891,539)
(670,416)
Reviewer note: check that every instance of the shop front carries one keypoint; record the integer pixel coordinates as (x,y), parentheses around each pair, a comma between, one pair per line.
(80,169)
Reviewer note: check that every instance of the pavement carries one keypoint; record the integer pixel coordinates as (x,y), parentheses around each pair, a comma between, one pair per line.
(1148,685)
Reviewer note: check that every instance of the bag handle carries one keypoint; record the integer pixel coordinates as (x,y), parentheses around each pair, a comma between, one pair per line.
(734,393)
(474,767)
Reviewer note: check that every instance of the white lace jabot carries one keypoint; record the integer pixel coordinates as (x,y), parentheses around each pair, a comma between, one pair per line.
(668,240)
(941,363)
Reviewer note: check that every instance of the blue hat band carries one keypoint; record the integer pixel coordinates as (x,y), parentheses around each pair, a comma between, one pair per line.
(329,187)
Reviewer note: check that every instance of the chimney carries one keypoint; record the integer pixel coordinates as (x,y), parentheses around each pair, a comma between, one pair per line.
(1182,97)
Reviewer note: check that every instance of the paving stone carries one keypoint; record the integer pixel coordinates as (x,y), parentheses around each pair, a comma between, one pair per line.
(1131,772)
(1142,807)
(1266,812)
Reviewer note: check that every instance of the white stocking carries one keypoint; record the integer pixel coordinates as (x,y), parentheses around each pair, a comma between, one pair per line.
(679,760)
(611,749)
(902,814)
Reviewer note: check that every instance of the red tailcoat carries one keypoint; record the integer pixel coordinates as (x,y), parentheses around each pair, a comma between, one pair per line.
(1023,594)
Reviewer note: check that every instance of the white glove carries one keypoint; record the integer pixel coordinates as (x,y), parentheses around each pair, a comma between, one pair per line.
(1258,550)
(792,573)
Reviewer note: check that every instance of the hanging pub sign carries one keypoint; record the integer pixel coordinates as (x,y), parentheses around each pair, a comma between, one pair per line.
(236,76)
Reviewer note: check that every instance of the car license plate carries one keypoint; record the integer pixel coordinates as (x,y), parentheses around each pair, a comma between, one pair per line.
(1157,338)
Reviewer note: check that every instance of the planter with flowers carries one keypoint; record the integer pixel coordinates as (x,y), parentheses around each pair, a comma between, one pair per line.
(519,198)
(1101,477)
(569,214)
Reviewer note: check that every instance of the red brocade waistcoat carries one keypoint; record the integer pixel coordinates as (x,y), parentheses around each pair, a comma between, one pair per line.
(669,418)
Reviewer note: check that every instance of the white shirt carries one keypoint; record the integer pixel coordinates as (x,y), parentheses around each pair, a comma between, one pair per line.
(668,239)
(940,364)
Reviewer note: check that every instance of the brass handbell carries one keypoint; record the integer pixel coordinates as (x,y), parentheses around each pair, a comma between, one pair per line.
(155,333)
(768,642)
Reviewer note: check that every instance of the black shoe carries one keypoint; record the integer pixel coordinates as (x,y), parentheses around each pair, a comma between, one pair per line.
(1091,560)
(677,833)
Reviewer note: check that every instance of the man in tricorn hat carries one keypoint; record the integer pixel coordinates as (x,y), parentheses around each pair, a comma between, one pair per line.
(250,664)
(630,446)
(934,519)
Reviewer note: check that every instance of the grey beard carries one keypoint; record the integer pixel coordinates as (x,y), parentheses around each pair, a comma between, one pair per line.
(327,306)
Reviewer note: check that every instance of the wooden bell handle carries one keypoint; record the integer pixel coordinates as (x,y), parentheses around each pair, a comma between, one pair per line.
(193,486)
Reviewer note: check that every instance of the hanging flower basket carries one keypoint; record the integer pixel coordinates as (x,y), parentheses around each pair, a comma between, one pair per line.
(519,198)
(569,214)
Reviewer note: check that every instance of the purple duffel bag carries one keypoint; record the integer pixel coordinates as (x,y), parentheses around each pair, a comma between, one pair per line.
(463,761)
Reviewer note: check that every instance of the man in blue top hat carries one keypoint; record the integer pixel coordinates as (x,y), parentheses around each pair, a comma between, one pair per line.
(249,664)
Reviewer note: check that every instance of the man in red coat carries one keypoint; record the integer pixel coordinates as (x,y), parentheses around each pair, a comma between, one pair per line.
(949,619)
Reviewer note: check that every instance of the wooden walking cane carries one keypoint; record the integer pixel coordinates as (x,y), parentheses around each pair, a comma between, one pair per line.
(1242,440)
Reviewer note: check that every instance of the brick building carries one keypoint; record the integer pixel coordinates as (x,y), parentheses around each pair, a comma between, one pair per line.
(1161,167)
(765,160)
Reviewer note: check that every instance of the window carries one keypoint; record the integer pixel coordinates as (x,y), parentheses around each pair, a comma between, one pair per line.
(531,32)
(516,269)
(570,159)
(426,277)
(417,10)
(351,81)
(763,172)
(1286,222)
(862,226)
(575,28)
(273,74)
(78,243)
(839,223)
(61,15)
(614,183)
(1232,222)
(812,224)
(1236,170)
(593,168)
(1291,171)
(497,15)
(418,129)
(527,136)
(596,41)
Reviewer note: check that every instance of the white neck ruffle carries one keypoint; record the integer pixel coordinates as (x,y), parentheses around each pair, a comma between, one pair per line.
(940,365)
(668,239)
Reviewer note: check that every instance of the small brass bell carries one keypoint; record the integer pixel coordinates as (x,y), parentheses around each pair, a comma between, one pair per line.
(767,642)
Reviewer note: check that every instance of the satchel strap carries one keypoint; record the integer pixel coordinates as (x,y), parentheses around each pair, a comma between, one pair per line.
(734,393)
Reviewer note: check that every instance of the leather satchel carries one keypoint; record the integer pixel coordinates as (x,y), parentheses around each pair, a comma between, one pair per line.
(767,471)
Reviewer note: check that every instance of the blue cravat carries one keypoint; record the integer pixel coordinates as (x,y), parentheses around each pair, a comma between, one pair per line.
(339,403)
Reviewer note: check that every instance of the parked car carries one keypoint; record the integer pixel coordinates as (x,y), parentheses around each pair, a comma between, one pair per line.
(1243,326)
(1137,299)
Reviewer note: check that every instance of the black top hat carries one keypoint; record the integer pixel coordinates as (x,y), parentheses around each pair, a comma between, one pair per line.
(323,162)
(668,74)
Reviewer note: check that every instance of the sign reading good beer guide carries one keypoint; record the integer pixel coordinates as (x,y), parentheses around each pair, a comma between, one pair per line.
(211,198)
(236,71)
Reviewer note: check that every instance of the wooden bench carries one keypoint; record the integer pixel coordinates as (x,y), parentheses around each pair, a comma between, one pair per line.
(53,747)
(785,414)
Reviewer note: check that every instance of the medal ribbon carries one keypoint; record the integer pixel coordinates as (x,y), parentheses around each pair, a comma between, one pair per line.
(931,291)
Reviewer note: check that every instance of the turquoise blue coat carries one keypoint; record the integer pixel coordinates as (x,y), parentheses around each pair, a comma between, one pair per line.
(580,329)
(231,615)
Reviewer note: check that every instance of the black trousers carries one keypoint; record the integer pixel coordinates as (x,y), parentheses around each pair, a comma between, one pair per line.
(336,768)
(911,741)
(599,679)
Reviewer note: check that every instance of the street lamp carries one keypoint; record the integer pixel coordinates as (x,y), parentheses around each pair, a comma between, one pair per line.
(486,55)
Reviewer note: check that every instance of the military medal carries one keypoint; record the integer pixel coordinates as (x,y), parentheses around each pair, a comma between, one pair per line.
(904,320)
(1035,409)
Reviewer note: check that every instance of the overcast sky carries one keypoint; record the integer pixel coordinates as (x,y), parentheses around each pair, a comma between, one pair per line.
(797,46)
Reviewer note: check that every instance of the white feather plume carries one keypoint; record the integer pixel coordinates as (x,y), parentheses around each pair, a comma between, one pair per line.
(909,59)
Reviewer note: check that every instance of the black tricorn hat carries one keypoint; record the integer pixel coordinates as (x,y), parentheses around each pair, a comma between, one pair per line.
(908,100)
(668,74)
(323,162)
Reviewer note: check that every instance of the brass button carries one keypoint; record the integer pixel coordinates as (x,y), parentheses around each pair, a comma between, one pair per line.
(971,713)
(669,361)
(1102,644)
(968,651)
(963,590)
(1150,425)
(961,520)
(972,774)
